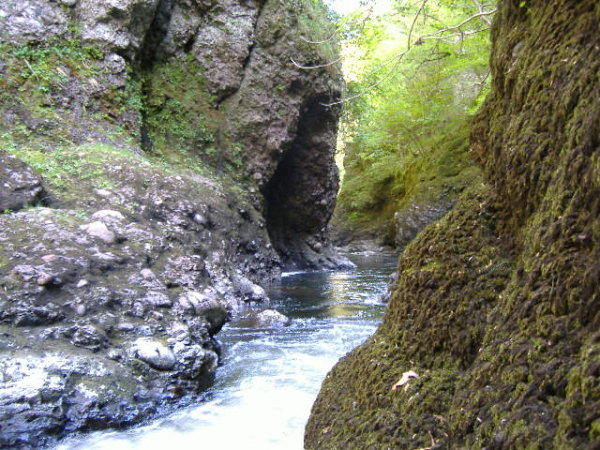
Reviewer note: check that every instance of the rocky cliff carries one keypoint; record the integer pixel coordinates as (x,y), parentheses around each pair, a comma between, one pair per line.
(491,335)
(161,159)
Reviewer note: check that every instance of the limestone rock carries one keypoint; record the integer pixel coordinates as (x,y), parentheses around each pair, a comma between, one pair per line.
(25,21)
(19,184)
(251,292)
(90,337)
(205,304)
(108,216)
(154,353)
(133,251)
(99,230)
(270,318)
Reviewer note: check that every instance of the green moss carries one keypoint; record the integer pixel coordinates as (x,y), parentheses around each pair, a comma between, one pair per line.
(46,86)
(64,168)
(510,300)
(35,73)
(178,108)
(434,325)
(181,121)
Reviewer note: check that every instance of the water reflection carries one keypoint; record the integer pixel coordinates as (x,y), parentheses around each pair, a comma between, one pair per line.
(335,294)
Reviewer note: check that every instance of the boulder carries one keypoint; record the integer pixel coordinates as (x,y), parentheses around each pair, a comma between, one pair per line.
(20,186)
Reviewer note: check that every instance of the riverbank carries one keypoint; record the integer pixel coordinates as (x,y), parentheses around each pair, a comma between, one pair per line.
(269,377)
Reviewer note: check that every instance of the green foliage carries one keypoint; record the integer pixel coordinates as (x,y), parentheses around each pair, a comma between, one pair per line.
(36,71)
(405,135)
(178,109)
(314,24)
(65,167)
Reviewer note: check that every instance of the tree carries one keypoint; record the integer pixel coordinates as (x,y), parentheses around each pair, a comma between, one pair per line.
(414,76)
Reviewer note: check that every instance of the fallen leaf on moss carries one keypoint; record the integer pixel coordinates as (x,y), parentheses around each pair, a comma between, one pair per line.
(403,381)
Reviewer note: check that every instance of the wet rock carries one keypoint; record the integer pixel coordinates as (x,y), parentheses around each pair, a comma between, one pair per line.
(251,292)
(205,304)
(267,319)
(270,318)
(90,337)
(155,354)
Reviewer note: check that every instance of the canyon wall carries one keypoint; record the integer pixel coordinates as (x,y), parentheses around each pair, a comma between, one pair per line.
(161,161)
(491,337)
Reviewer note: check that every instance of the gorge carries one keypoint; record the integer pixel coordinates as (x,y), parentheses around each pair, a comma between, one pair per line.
(163,162)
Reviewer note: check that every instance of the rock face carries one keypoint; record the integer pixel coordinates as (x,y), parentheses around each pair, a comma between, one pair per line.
(172,159)
(20,185)
(497,306)
(214,79)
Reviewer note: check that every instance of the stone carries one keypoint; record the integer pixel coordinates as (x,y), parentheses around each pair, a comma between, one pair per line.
(270,318)
(100,231)
(153,353)
(90,337)
(27,21)
(157,299)
(204,304)
(251,292)
(147,274)
(108,216)
(20,186)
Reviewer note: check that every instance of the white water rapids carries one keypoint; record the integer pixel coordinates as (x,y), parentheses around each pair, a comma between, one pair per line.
(269,378)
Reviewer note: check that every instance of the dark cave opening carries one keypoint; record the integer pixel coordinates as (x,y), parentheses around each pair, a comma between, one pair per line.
(300,195)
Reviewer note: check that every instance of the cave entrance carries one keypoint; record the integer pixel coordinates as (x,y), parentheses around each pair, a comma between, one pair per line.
(300,197)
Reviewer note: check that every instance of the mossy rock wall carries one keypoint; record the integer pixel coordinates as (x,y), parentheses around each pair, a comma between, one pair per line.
(208,86)
(497,306)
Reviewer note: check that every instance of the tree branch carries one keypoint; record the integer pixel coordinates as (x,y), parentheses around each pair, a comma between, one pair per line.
(315,67)
(457,27)
(396,59)
(412,26)
(329,39)
(481,10)
(392,71)
(462,33)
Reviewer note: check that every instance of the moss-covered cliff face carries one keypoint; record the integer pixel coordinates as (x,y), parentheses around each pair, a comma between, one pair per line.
(145,147)
(497,309)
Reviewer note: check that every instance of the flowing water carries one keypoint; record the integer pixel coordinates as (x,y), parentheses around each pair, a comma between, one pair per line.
(270,378)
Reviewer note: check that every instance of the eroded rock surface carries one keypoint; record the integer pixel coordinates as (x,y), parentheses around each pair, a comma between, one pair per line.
(177,160)
(20,186)
(135,293)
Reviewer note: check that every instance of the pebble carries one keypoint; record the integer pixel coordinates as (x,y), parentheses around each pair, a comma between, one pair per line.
(99,230)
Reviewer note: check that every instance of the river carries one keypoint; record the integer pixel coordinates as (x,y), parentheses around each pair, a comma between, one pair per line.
(270,378)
